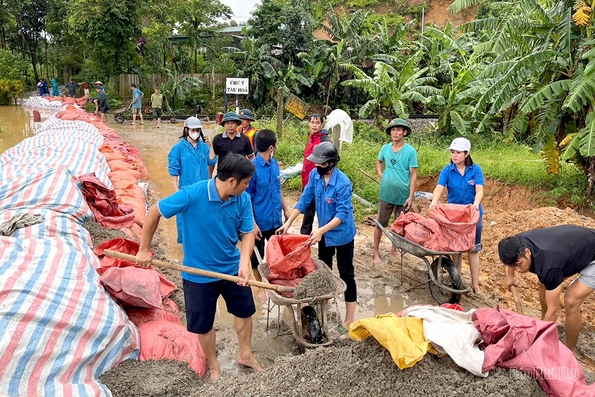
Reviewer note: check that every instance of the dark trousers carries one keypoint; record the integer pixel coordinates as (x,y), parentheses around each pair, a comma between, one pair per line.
(259,244)
(308,219)
(344,264)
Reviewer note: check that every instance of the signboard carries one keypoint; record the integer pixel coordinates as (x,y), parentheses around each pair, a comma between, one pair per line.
(237,86)
(297,107)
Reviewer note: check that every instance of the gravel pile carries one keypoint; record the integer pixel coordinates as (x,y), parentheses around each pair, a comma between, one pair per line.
(317,283)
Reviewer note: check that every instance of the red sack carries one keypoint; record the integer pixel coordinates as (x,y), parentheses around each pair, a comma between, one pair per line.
(162,339)
(459,218)
(457,224)
(288,257)
(133,286)
(417,228)
(164,288)
(169,312)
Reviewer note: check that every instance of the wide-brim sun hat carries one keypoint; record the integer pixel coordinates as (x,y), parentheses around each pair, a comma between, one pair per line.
(460,145)
(98,82)
(192,122)
(230,116)
(246,114)
(398,123)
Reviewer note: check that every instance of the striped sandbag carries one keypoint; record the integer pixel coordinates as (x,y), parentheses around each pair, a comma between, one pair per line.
(56,189)
(59,330)
(66,129)
(76,156)
(54,225)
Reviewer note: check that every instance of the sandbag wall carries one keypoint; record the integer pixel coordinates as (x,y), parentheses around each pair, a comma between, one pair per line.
(59,330)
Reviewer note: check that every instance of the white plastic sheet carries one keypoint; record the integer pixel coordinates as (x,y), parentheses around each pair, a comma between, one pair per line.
(341,118)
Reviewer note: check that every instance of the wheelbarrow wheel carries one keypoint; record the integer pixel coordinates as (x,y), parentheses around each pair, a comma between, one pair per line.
(446,273)
(119,118)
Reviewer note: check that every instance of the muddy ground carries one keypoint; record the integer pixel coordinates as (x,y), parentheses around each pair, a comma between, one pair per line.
(351,368)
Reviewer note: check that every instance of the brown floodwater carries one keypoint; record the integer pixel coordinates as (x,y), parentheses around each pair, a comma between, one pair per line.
(16,124)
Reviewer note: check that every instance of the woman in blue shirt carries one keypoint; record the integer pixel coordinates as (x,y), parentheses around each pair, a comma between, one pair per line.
(464,182)
(336,231)
(189,160)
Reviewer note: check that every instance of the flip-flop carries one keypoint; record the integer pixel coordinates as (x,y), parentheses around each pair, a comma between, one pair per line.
(340,331)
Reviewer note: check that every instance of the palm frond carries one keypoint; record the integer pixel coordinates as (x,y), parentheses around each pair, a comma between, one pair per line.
(581,92)
(550,91)
(460,5)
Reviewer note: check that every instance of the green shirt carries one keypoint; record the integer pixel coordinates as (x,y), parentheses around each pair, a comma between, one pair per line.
(157,100)
(396,178)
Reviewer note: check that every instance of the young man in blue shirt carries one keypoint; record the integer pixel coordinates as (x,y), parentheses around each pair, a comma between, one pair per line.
(397,180)
(137,104)
(217,213)
(265,192)
(332,191)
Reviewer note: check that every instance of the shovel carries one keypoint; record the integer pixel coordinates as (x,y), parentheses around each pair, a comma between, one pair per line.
(517,301)
(206,273)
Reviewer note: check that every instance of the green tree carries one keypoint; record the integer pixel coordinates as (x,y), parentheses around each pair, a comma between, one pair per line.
(540,83)
(111,28)
(394,88)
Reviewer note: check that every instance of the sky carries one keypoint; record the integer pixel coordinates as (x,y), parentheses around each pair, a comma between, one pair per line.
(241,8)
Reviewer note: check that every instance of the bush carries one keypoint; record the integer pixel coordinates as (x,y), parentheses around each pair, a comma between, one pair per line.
(9,90)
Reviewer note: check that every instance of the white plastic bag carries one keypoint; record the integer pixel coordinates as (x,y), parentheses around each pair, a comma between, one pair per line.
(341,118)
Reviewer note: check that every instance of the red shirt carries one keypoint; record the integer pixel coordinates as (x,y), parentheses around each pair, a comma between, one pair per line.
(313,140)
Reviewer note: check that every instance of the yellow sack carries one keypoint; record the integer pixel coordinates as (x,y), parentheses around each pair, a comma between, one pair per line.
(402,336)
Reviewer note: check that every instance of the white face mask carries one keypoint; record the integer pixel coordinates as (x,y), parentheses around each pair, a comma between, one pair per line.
(194,135)
(272,154)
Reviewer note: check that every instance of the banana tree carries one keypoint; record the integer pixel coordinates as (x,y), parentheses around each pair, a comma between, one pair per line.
(392,89)
(541,77)
(177,87)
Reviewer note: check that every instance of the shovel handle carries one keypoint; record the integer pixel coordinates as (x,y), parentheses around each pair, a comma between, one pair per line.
(517,301)
(200,272)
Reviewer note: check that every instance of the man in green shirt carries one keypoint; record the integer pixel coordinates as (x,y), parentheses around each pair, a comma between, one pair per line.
(157,105)
(396,167)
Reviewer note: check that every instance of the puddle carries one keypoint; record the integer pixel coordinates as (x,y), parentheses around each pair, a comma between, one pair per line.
(16,124)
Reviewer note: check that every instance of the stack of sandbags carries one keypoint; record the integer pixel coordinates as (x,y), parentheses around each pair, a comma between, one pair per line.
(61,329)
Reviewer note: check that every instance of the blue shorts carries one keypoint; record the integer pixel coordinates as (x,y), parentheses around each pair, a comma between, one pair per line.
(201,303)
(478,230)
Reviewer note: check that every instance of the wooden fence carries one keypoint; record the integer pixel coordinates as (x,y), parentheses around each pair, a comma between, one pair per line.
(122,82)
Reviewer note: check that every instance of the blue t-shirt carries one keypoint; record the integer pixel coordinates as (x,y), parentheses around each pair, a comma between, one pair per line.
(396,177)
(461,188)
(265,192)
(211,227)
(136,93)
(189,163)
(333,200)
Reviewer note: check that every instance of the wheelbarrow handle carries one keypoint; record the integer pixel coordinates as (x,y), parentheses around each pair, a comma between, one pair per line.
(200,272)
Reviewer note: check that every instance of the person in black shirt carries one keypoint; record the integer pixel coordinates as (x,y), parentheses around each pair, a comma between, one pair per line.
(230,140)
(553,254)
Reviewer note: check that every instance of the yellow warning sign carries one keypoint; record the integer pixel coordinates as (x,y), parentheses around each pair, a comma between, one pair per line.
(297,107)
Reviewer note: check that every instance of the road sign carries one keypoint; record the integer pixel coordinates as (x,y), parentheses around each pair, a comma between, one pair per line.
(297,107)
(237,86)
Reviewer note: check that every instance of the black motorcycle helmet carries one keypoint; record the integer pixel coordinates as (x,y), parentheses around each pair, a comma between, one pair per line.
(324,152)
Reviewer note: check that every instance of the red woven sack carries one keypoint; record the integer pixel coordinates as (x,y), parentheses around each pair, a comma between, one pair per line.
(417,228)
(459,218)
(289,257)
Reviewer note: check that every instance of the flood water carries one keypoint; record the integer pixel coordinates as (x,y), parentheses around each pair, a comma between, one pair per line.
(16,124)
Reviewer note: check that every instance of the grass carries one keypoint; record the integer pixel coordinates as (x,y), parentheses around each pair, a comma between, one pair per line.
(515,164)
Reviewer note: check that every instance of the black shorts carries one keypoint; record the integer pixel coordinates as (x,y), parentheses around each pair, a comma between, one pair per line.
(201,303)
(157,112)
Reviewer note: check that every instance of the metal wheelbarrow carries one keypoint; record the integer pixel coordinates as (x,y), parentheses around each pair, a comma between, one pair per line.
(445,281)
(294,306)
